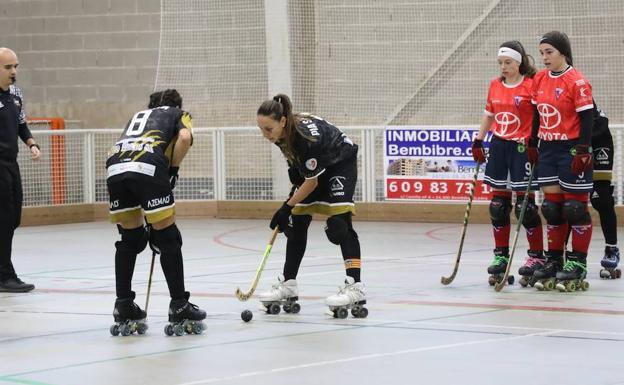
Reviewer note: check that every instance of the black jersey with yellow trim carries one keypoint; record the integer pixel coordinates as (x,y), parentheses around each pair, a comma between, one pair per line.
(319,144)
(601,123)
(149,137)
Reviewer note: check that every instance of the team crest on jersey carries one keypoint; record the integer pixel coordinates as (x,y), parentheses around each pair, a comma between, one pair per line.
(311,164)
(517,100)
(558,92)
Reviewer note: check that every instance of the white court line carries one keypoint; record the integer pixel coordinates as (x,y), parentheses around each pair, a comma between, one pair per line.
(364,357)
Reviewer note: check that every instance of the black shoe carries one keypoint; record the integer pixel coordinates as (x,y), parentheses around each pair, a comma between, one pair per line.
(15,285)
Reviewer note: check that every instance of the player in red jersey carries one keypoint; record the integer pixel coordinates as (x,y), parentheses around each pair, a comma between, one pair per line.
(508,115)
(563,99)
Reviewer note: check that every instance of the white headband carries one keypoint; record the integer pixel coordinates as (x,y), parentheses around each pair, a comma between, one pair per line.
(512,53)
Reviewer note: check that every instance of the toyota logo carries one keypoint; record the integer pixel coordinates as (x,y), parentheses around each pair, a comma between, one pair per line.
(507,122)
(549,116)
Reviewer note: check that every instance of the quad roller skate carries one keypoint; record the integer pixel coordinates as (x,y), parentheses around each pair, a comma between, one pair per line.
(572,277)
(609,263)
(532,263)
(545,276)
(283,295)
(129,318)
(351,296)
(184,317)
(497,268)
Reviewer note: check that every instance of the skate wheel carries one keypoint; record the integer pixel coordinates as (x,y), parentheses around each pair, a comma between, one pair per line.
(342,313)
(604,273)
(296,308)
(125,330)
(571,286)
(114,330)
(274,309)
(287,308)
(584,285)
(523,282)
(141,328)
(539,285)
(360,313)
(618,273)
(178,330)
(550,285)
(492,280)
(198,328)
(169,330)
(511,279)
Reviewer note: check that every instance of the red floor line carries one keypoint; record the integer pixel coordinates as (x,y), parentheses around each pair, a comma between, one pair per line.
(218,239)
(512,307)
(402,302)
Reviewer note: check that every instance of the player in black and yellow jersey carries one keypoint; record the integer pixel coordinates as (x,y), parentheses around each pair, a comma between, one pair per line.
(323,165)
(602,196)
(142,169)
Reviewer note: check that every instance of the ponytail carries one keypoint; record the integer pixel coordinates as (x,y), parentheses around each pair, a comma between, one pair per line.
(277,108)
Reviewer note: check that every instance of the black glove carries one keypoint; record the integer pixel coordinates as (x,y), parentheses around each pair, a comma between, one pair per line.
(173,176)
(295,177)
(281,218)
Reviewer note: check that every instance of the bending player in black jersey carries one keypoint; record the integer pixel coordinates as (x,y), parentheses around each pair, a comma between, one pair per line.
(142,170)
(602,195)
(322,166)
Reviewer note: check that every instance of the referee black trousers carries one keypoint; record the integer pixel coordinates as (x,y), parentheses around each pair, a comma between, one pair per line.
(11,198)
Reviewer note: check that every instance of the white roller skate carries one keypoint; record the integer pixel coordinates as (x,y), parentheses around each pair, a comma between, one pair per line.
(283,294)
(351,296)
(609,263)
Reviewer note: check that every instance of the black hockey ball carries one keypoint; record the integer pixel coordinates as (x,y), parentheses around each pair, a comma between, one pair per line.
(246,315)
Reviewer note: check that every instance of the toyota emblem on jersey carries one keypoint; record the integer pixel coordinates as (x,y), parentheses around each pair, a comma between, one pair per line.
(311,164)
(507,122)
(549,116)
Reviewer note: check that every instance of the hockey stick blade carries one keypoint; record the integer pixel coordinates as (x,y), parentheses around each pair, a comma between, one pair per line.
(244,296)
(473,186)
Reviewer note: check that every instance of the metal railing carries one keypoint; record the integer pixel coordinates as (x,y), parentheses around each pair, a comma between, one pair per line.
(225,163)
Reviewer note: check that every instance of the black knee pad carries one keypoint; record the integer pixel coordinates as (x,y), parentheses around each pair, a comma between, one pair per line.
(552,212)
(132,240)
(602,196)
(500,208)
(338,227)
(531,217)
(576,212)
(166,240)
(299,230)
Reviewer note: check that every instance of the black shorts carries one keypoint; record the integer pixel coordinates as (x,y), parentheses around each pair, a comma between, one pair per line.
(603,156)
(507,166)
(334,193)
(133,195)
(555,163)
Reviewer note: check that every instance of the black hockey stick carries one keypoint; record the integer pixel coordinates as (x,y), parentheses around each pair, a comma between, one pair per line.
(499,285)
(473,184)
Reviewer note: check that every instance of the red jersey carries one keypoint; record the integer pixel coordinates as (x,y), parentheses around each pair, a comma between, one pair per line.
(511,108)
(559,99)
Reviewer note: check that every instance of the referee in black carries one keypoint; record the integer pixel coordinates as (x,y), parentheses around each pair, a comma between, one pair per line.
(12,125)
